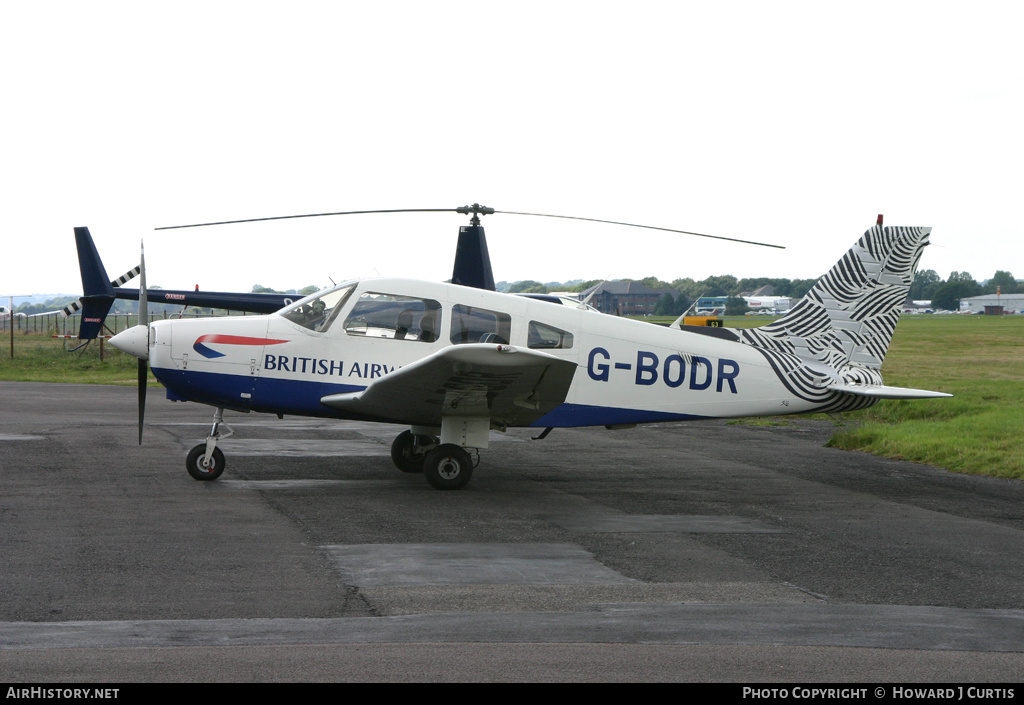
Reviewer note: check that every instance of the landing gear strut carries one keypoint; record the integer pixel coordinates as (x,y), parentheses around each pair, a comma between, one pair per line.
(206,460)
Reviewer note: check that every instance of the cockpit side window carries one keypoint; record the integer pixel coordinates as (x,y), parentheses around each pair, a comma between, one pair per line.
(543,336)
(317,312)
(378,315)
(478,325)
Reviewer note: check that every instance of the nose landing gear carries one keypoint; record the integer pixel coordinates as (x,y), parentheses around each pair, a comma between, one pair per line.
(206,461)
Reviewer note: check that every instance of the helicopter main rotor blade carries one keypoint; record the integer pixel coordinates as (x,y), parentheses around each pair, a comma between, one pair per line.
(309,215)
(648,227)
(475,210)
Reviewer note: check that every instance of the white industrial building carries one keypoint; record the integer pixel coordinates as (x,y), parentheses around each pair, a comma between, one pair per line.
(1011,303)
(769,304)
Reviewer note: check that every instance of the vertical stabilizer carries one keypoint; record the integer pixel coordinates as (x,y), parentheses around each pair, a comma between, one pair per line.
(98,294)
(841,330)
(94,277)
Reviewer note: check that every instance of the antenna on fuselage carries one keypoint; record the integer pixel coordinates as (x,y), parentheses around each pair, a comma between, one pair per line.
(677,324)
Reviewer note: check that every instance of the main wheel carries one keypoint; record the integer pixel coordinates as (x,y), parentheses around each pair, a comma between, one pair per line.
(195,463)
(406,454)
(448,467)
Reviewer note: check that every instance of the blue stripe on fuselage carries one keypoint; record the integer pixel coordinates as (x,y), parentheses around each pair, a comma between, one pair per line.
(267,394)
(570,415)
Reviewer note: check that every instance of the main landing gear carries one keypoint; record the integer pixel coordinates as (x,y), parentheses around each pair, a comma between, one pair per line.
(446,466)
(206,460)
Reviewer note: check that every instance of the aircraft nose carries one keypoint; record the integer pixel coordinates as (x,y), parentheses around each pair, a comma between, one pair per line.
(134,341)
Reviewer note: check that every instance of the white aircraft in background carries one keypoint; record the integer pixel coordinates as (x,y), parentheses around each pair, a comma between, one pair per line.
(453,362)
(5,314)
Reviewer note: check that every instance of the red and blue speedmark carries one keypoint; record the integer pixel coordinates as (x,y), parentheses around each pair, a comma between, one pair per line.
(217,339)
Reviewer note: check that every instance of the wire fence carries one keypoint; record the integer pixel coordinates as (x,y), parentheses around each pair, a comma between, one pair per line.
(56,325)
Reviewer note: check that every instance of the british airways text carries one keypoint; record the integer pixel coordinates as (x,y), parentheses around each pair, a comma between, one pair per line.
(317,366)
(648,369)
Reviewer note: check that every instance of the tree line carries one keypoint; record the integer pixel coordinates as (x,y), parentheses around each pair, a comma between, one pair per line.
(131,307)
(680,293)
(928,286)
(946,294)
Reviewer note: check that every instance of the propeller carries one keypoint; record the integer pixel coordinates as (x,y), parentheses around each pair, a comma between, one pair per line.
(135,341)
(476,210)
(143,320)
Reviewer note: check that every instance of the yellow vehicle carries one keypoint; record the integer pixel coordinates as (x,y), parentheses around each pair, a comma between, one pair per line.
(713,321)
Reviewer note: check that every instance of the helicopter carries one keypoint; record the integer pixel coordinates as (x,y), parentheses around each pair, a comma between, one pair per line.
(472,267)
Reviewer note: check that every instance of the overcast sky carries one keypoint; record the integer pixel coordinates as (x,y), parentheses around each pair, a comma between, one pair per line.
(793,123)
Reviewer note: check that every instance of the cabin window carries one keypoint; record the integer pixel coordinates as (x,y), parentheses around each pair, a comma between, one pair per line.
(378,315)
(545,337)
(478,325)
(318,311)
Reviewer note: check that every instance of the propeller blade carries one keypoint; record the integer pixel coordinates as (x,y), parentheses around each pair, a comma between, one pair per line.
(143,297)
(143,382)
(144,321)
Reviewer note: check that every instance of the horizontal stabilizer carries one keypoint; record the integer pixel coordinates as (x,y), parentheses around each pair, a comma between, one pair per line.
(881,391)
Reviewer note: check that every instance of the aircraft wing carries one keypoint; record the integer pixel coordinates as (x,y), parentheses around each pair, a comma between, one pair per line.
(882,391)
(510,385)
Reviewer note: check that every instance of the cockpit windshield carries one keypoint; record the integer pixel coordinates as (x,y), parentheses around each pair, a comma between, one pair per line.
(317,312)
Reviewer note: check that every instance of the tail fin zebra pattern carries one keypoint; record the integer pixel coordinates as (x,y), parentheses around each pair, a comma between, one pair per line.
(836,337)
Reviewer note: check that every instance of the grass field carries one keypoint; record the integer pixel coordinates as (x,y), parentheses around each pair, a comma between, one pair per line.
(40,358)
(979,359)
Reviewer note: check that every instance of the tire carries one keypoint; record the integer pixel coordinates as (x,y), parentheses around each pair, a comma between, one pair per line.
(448,467)
(195,467)
(406,456)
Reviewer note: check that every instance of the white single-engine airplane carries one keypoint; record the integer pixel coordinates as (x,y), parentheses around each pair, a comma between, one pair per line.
(454,362)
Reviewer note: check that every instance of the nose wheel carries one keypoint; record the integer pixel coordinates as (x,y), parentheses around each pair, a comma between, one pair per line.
(206,461)
(202,469)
